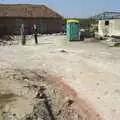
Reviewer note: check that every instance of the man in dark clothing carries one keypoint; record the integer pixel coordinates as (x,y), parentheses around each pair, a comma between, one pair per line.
(35,34)
(82,35)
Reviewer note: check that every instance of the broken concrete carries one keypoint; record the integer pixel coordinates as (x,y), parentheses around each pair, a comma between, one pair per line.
(49,103)
(113,42)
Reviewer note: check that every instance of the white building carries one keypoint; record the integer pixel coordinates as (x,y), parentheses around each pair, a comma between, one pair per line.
(109,27)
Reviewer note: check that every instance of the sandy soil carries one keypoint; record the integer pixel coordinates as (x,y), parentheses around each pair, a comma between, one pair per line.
(15,96)
(91,68)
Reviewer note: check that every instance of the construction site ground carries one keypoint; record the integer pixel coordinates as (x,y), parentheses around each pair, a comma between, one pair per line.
(91,68)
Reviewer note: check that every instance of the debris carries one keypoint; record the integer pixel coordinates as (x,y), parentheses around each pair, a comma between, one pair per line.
(98,98)
(9,116)
(41,93)
(25,78)
(98,84)
(31,86)
(44,107)
(7,40)
(113,42)
(63,51)
(117,91)
(70,102)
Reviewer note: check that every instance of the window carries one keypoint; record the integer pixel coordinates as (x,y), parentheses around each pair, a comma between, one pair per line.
(107,22)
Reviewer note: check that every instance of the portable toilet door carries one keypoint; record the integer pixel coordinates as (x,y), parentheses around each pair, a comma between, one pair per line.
(72,30)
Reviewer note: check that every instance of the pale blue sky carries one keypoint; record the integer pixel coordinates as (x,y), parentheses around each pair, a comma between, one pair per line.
(74,8)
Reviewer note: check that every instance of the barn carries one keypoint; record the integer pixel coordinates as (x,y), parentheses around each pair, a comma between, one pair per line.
(13,16)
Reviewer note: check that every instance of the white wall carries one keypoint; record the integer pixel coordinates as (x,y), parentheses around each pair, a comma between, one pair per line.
(112,29)
(102,29)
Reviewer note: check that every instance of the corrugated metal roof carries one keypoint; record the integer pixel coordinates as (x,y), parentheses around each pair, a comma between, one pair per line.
(107,15)
(27,10)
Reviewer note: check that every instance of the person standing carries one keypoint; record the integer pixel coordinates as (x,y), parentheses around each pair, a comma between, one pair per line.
(35,34)
(23,35)
(82,35)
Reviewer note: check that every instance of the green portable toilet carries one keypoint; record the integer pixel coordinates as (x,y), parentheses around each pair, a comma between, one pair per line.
(72,30)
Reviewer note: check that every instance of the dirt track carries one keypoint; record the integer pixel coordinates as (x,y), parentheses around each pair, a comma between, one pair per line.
(92,69)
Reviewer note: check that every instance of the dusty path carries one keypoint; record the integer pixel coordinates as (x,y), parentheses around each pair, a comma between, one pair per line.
(92,69)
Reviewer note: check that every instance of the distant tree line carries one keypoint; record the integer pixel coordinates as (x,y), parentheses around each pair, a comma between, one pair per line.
(84,22)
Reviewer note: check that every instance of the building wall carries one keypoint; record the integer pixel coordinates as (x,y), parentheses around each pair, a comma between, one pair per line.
(44,25)
(103,29)
(113,29)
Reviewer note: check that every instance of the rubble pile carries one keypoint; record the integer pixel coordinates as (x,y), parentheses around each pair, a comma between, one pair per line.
(7,40)
(112,41)
(51,104)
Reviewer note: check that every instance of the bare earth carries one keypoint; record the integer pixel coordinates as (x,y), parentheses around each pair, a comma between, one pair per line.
(91,68)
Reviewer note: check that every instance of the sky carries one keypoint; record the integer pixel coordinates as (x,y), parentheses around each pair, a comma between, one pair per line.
(74,8)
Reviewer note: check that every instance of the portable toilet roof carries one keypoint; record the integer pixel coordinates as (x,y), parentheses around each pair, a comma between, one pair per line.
(73,21)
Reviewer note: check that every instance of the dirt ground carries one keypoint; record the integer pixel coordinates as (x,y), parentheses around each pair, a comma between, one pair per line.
(27,95)
(90,67)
